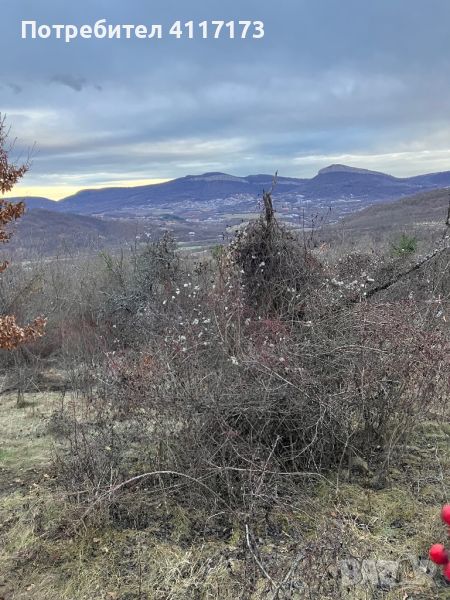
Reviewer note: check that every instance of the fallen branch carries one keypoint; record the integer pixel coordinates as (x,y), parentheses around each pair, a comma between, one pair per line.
(443,247)
(257,561)
(117,487)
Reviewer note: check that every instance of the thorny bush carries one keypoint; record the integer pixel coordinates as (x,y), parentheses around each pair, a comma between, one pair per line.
(248,375)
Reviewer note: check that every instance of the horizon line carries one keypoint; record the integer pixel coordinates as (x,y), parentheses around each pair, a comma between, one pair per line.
(61,192)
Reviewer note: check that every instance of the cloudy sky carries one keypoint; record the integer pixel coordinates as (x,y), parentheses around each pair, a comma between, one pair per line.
(362,82)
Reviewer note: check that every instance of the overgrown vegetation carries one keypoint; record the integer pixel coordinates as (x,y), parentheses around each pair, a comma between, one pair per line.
(259,416)
(405,245)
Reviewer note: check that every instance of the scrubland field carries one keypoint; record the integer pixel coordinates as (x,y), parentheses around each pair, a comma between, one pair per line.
(270,420)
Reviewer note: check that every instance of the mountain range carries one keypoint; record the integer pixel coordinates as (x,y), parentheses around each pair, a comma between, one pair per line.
(199,209)
(331,185)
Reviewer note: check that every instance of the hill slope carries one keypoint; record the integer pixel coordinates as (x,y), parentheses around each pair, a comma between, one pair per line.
(421,215)
(428,209)
(47,232)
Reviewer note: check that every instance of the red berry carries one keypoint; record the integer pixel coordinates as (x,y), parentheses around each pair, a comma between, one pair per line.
(445,514)
(446,571)
(438,554)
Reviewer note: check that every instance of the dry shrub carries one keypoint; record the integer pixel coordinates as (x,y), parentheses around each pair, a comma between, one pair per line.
(278,272)
(11,334)
(226,401)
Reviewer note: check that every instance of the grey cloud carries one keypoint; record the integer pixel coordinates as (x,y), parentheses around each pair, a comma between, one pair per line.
(17,89)
(332,78)
(71,81)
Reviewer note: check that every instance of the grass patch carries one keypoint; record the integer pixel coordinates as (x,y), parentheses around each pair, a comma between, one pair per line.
(169,555)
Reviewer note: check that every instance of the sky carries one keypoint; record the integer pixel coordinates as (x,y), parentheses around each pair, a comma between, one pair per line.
(365,83)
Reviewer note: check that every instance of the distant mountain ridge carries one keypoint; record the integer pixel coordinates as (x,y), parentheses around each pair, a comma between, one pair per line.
(196,223)
(333,184)
(337,168)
